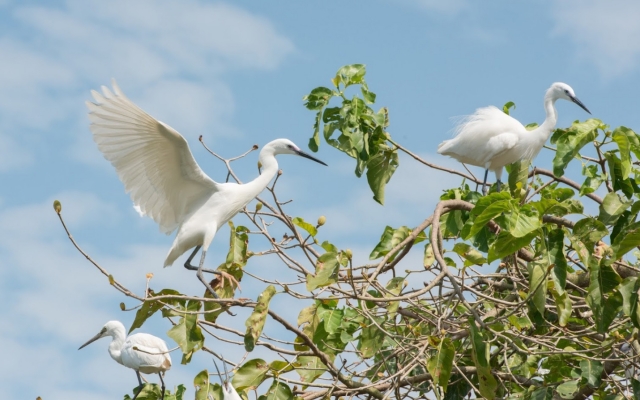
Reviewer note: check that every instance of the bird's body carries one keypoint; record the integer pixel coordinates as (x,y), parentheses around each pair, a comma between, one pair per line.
(157,168)
(141,352)
(491,139)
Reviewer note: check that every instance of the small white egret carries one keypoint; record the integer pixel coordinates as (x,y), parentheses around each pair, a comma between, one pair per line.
(141,352)
(491,139)
(228,391)
(157,168)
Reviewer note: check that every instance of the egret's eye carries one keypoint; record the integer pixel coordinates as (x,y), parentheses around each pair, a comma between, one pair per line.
(566,91)
(290,146)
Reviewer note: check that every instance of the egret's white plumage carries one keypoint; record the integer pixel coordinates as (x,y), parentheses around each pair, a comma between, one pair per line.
(491,139)
(157,168)
(228,391)
(141,352)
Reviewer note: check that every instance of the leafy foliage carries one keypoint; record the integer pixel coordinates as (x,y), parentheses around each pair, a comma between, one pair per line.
(529,293)
(363,133)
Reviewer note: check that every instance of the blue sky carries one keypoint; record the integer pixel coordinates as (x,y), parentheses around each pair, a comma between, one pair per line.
(235,72)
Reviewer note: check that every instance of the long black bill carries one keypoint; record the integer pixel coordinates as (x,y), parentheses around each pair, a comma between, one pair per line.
(93,339)
(305,155)
(578,102)
(219,374)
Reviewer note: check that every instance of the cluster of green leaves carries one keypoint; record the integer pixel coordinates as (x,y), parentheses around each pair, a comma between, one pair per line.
(363,133)
(152,391)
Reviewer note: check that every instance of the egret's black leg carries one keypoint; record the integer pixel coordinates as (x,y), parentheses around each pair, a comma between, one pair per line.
(162,381)
(499,183)
(484,183)
(188,265)
(199,273)
(139,387)
(206,284)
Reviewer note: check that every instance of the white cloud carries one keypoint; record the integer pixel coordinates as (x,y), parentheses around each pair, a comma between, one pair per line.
(173,53)
(605,32)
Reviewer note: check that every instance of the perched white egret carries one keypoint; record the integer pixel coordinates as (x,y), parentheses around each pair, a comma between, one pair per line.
(141,352)
(228,391)
(491,139)
(157,168)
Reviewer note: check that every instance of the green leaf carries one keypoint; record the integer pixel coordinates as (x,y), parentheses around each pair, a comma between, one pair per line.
(318,98)
(537,276)
(592,372)
(332,318)
(555,256)
(429,257)
(629,290)
(626,140)
(391,238)
(187,333)
(593,181)
(278,391)
(440,366)
(590,231)
(564,305)
(238,243)
(204,388)
(327,267)
(350,75)
(566,390)
(371,340)
(149,307)
(522,221)
(507,244)
(255,322)
(612,306)
(311,230)
(309,368)
(518,177)
(279,366)
(570,141)
(473,225)
(470,254)
(543,393)
(380,169)
(250,375)
(613,205)
(368,96)
(627,240)
(508,106)
(616,172)
(481,356)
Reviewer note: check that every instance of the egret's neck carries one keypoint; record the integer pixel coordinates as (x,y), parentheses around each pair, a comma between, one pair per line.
(115,347)
(549,123)
(267,172)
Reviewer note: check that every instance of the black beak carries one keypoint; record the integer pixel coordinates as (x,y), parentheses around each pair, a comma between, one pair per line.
(578,102)
(305,155)
(93,339)
(219,374)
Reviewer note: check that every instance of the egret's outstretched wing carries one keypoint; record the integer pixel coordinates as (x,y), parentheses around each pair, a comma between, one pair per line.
(152,159)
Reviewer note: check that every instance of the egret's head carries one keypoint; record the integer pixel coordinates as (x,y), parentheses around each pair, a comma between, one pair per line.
(286,146)
(109,329)
(561,90)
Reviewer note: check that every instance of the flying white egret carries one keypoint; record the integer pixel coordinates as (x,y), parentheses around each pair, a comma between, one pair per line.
(228,391)
(141,352)
(157,168)
(491,139)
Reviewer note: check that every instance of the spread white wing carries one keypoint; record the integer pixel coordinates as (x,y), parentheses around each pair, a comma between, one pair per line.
(152,159)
